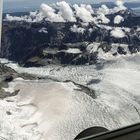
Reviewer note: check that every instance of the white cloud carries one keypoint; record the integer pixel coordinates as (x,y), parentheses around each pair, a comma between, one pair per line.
(77,29)
(82,13)
(120,6)
(88,7)
(126,29)
(103,10)
(15,18)
(36,16)
(103,18)
(119,3)
(12,18)
(50,14)
(118,19)
(117,33)
(66,11)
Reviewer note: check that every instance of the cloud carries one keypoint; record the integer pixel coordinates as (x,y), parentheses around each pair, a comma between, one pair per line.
(119,3)
(36,16)
(66,11)
(103,18)
(118,19)
(103,10)
(49,13)
(117,33)
(63,12)
(120,6)
(88,7)
(82,13)
(15,18)
(77,29)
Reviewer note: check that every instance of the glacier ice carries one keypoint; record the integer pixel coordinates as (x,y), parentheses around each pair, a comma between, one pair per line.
(57,110)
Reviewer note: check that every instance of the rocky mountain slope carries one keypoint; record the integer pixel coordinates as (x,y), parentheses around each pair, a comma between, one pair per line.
(73,42)
(7,75)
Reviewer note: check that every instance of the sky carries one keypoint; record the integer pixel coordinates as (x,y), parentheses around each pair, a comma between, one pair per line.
(24,5)
(49,1)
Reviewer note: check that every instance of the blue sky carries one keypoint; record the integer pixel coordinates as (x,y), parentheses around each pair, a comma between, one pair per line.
(24,5)
(51,1)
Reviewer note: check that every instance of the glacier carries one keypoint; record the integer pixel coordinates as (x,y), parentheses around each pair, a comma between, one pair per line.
(56,108)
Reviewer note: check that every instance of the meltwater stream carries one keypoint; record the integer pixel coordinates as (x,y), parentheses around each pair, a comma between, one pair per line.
(50,110)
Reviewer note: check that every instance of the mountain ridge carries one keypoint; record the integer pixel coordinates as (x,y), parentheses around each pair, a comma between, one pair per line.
(32,42)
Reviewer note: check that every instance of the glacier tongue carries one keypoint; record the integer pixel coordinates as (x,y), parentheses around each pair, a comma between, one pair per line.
(57,110)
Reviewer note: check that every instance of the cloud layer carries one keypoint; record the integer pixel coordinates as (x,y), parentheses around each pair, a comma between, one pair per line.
(63,12)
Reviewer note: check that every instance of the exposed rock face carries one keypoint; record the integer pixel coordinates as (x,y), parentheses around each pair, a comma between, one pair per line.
(29,45)
(7,75)
(4,69)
